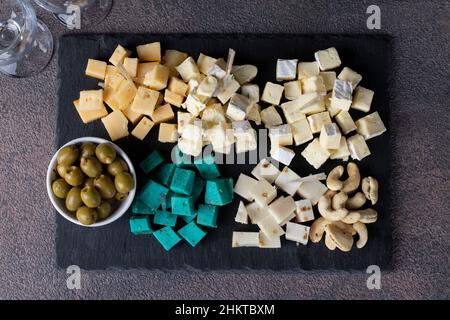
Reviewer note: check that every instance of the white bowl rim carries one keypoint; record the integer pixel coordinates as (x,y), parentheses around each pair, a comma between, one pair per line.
(120,211)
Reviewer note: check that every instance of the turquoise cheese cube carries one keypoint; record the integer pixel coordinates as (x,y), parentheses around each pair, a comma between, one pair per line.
(188,219)
(192,233)
(152,161)
(219,192)
(182,205)
(199,185)
(207,167)
(181,160)
(164,173)
(140,225)
(167,237)
(168,203)
(183,181)
(139,207)
(165,218)
(153,194)
(207,215)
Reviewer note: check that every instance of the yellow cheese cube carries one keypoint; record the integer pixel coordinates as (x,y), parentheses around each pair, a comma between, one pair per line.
(130,65)
(145,101)
(113,81)
(178,86)
(134,117)
(142,70)
(160,99)
(91,100)
(205,62)
(96,69)
(110,70)
(293,89)
(109,98)
(125,94)
(143,128)
(167,132)
(188,69)
(173,58)
(149,52)
(157,78)
(116,124)
(163,113)
(173,98)
(89,116)
(119,55)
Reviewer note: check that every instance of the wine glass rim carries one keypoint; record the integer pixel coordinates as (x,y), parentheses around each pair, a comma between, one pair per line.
(49,6)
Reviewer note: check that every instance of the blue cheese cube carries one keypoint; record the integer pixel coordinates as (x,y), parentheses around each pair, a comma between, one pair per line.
(341,97)
(288,181)
(370,126)
(315,154)
(328,59)
(286,69)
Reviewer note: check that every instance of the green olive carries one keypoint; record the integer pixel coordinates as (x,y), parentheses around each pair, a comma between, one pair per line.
(117,166)
(54,175)
(104,210)
(89,182)
(88,149)
(73,199)
(74,176)
(86,215)
(105,153)
(62,170)
(123,182)
(60,188)
(105,186)
(91,166)
(121,196)
(68,155)
(91,197)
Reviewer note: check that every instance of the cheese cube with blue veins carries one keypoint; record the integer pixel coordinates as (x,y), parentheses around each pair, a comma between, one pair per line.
(238,107)
(153,194)
(272,93)
(315,154)
(281,135)
(327,59)
(219,191)
(182,181)
(288,181)
(182,205)
(286,69)
(207,215)
(153,160)
(167,237)
(370,126)
(341,96)
(165,218)
(266,170)
(351,76)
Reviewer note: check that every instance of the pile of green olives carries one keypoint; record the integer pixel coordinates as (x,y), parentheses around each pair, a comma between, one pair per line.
(91,179)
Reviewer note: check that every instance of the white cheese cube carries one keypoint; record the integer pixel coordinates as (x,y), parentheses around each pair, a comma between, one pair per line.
(243,186)
(266,243)
(281,135)
(314,177)
(263,192)
(251,91)
(313,84)
(270,117)
(288,218)
(241,214)
(328,59)
(238,107)
(345,121)
(362,99)
(282,208)
(265,170)
(188,69)
(297,232)
(228,87)
(192,131)
(312,190)
(370,126)
(301,132)
(272,93)
(190,147)
(245,136)
(183,118)
(315,154)
(244,73)
(257,212)
(292,112)
(330,136)
(341,97)
(286,69)
(221,137)
(288,181)
(318,120)
(308,103)
(358,147)
(282,154)
(293,89)
(217,71)
(213,113)
(331,109)
(328,77)
(245,239)
(307,69)
(207,87)
(304,211)
(205,63)
(254,114)
(342,152)
(351,76)
(270,227)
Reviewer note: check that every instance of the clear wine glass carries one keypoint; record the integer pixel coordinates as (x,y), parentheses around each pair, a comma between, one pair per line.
(26,44)
(77,13)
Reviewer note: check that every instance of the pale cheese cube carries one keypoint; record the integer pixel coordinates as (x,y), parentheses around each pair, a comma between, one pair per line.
(254,114)
(281,135)
(167,132)
(238,107)
(328,77)
(251,91)
(143,128)
(266,170)
(345,122)
(190,147)
(282,154)
(301,132)
(207,87)
(133,117)
(288,181)
(266,243)
(227,89)
(257,212)
(331,109)
(91,100)
(282,208)
(292,112)
(119,54)
(178,86)
(245,136)
(188,69)
(183,118)
(96,69)
(142,70)
(287,219)
(286,69)
(327,59)
(304,211)
(306,104)
(157,78)
(307,69)
(297,232)
(195,103)
(116,124)
(262,192)
(272,93)
(318,120)
(293,89)
(244,73)
(173,98)
(241,214)
(314,84)
(221,138)
(111,70)
(245,239)
(162,114)
(213,113)
(270,117)
(125,94)
(330,136)
(173,58)
(341,97)
(312,190)
(145,101)
(90,115)
(131,66)
(370,126)
(358,147)
(217,70)
(270,227)
(342,152)
(149,52)
(315,154)
(314,177)
(351,76)
(205,63)
(362,99)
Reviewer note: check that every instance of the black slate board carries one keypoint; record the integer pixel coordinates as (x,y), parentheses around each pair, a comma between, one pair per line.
(114,247)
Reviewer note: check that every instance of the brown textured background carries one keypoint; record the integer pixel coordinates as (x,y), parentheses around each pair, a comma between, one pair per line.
(420,135)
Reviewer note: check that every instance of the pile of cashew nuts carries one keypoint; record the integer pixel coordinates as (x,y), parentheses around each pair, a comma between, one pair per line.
(340,209)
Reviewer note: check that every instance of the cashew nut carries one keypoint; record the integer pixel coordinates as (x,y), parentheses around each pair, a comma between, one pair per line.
(361,229)
(344,227)
(331,193)
(339,200)
(354,177)
(327,212)
(368,215)
(352,217)
(356,202)
(333,182)
(341,239)
(369,186)
(317,229)
(329,243)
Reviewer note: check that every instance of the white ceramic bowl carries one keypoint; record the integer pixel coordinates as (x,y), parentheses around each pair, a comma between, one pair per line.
(59,203)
